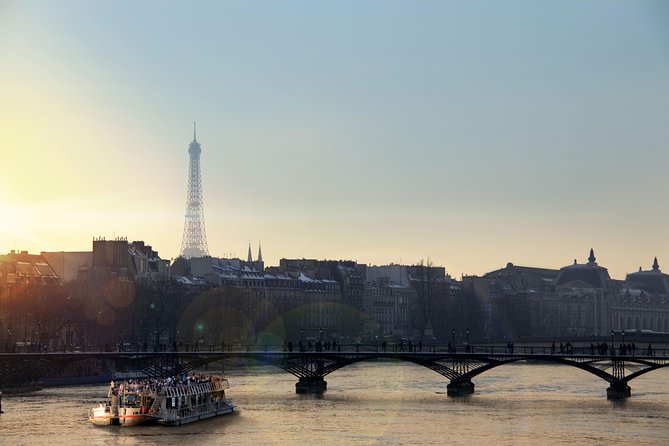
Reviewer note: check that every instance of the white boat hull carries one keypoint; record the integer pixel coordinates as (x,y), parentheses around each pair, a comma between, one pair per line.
(179,420)
(131,416)
(102,416)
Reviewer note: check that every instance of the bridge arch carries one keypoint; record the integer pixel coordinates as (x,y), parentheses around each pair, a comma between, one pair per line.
(460,369)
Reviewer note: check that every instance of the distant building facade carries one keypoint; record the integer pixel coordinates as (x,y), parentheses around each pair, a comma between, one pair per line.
(21,268)
(69,266)
(576,301)
(387,306)
(310,307)
(26,281)
(333,299)
(642,302)
(133,262)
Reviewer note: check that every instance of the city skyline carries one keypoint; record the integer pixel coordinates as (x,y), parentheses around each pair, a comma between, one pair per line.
(471,134)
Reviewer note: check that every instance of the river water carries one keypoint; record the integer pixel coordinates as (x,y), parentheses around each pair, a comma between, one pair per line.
(384,403)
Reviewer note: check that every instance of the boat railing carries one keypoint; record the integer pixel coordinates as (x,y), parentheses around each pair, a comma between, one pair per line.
(196,389)
(141,389)
(190,411)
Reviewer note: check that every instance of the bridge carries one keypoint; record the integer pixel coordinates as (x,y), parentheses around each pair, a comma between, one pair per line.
(616,368)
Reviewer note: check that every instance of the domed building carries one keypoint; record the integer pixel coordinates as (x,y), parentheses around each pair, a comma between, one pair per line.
(577,301)
(588,275)
(643,301)
(584,293)
(653,281)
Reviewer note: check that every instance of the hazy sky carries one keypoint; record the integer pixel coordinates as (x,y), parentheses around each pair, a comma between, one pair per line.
(472,133)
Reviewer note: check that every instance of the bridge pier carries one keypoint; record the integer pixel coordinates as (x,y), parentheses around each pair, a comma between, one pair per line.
(618,390)
(460,388)
(311,385)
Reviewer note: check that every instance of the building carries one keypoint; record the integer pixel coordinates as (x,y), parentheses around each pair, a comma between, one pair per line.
(148,267)
(309,307)
(387,306)
(69,266)
(133,262)
(21,268)
(642,302)
(579,300)
(27,285)
(584,292)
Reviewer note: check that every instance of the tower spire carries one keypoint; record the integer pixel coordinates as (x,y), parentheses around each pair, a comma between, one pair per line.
(259,252)
(592,258)
(194,131)
(194,241)
(249,257)
(656,266)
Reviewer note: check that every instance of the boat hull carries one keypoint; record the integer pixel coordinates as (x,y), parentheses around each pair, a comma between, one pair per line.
(131,416)
(104,421)
(178,421)
(102,416)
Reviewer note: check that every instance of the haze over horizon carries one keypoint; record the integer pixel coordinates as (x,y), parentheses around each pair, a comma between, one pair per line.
(469,133)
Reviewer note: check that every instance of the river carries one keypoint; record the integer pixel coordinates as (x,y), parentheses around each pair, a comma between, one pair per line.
(385,403)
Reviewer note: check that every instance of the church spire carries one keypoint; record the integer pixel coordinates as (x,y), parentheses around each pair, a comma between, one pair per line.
(259,252)
(250,256)
(656,266)
(592,258)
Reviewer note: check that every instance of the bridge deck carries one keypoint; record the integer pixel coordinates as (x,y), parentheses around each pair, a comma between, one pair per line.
(310,367)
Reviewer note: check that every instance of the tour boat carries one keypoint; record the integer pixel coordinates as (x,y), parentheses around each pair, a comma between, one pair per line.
(179,405)
(174,403)
(126,405)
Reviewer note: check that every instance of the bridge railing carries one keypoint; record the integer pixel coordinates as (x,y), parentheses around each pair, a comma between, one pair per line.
(564,349)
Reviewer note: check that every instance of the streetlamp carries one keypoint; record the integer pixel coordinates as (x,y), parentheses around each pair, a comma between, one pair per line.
(302,334)
(613,346)
(623,337)
(320,334)
(453,338)
(468,349)
(68,335)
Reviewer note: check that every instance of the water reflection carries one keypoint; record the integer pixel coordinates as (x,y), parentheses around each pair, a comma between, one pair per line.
(376,404)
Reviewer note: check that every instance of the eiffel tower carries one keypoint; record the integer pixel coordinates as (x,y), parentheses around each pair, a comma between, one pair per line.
(194,241)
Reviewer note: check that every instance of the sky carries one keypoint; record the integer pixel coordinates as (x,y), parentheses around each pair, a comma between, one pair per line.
(466,133)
